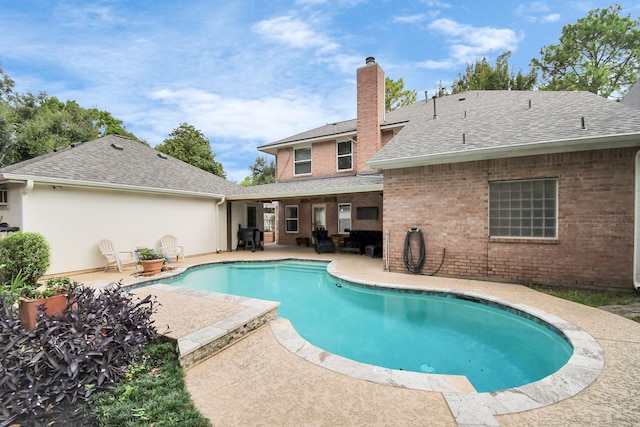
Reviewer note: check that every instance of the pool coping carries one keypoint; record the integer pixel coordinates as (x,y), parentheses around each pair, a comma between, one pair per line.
(467,406)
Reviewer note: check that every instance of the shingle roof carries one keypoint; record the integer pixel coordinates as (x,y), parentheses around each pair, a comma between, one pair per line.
(135,165)
(329,129)
(632,98)
(487,120)
(310,187)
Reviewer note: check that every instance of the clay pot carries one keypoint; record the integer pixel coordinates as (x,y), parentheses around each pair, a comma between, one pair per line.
(151,267)
(28,309)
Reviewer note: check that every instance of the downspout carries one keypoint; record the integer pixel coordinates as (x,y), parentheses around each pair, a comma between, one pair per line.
(222,200)
(636,226)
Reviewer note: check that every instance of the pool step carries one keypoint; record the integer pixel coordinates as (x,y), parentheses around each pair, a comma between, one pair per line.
(200,345)
(198,339)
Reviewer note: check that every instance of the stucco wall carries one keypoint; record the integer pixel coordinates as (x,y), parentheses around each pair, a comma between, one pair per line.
(74,220)
(449,203)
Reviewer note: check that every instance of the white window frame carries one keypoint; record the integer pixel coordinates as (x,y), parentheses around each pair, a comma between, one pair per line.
(339,156)
(288,218)
(4,197)
(341,214)
(517,212)
(300,162)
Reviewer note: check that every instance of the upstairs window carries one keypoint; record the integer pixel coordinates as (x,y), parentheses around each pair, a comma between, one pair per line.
(302,161)
(4,196)
(345,155)
(526,208)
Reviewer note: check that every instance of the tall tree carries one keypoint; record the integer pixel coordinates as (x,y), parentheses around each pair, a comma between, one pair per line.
(191,146)
(599,53)
(396,96)
(106,124)
(262,172)
(482,76)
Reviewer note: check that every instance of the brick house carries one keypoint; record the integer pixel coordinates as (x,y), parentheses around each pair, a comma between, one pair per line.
(517,186)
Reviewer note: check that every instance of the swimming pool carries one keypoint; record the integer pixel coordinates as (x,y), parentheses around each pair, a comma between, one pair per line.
(494,348)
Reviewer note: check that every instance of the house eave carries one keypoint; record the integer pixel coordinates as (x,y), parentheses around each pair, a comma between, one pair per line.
(520,150)
(39,180)
(275,195)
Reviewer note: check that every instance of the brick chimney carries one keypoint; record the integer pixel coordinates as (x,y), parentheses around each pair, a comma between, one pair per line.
(370,89)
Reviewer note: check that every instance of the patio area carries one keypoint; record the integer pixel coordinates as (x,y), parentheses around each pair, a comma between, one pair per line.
(257,381)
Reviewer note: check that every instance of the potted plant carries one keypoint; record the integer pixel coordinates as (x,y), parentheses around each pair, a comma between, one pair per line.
(151,261)
(53,296)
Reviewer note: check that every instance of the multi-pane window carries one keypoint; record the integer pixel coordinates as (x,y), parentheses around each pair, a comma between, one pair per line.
(302,161)
(344,217)
(291,218)
(345,155)
(526,208)
(252,217)
(3,196)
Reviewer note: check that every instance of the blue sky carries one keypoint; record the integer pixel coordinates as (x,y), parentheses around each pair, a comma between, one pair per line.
(247,73)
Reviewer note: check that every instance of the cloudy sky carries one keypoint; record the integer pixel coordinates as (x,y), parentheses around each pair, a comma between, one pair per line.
(247,73)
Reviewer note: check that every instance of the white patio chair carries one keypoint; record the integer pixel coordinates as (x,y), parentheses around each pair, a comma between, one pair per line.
(117,258)
(170,248)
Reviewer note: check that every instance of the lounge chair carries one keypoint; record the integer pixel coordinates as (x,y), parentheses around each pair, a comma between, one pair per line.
(323,243)
(170,248)
(117,258)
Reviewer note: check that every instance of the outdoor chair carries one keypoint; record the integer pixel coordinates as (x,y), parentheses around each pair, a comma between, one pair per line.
(170,248)
(117,258)
(323,243)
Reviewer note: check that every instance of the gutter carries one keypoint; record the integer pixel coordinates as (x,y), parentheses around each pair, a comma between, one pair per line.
(104,185)
(520,150)
(636,227)
(222,200)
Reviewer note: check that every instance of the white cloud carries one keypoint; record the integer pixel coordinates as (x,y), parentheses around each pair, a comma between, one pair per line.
(410,19)
(293,32)
(537,11)
(469,42)
(553,17)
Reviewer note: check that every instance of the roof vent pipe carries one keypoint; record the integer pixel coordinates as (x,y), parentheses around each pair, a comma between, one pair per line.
(435,112)
(464,138)
(582,122)
(529,104)
(426,95)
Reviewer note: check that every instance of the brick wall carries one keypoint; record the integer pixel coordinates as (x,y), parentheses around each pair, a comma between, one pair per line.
(449,203)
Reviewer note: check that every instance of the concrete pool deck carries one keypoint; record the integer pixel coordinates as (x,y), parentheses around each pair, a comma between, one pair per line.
(257,381)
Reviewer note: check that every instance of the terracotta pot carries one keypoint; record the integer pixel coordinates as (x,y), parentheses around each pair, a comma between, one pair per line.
(28,309)
(151,266)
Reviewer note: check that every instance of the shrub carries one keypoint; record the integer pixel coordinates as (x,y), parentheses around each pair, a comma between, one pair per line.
(89,347)
(24,253)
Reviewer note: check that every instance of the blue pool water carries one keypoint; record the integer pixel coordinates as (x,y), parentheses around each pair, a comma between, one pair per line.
(494,348)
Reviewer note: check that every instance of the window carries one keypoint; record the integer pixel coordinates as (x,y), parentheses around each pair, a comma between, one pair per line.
(291,219)
(3,197)
(525,208)
(345,155)
(252,217)
(344,217)
(302,161)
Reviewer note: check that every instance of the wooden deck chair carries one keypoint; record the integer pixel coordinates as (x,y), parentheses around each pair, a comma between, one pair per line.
(170,248)
(119,259)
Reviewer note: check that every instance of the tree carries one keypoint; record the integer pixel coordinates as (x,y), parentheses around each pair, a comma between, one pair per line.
(599,53)
(32,125)
(262,172)
(482,76)
(189,145)
(395,95)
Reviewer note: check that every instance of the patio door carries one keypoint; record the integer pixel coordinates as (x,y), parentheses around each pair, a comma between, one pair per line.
(318,217)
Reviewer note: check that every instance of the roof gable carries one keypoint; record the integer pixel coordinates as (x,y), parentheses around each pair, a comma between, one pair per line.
(119,162)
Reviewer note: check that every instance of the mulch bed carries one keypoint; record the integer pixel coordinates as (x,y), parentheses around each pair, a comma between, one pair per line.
(64,414)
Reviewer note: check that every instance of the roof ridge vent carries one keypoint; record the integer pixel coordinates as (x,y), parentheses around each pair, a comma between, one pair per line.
(117,146)
(162,156)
